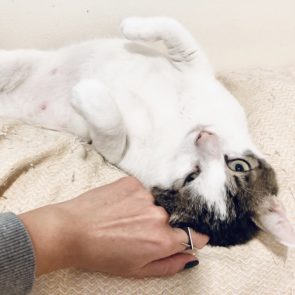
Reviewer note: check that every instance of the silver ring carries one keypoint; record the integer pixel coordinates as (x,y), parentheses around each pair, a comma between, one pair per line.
(190,244)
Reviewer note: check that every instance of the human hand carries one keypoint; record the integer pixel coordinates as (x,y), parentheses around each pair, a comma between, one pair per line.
(115,229)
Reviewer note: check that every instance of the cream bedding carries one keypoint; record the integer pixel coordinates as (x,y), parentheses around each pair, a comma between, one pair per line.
(41,166)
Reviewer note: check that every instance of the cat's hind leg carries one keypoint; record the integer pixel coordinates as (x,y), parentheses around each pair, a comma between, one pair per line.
(92,100)
(182,47)
(13,70)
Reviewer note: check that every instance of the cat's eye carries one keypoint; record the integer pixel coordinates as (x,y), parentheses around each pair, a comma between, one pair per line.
(239,165)
(192,176)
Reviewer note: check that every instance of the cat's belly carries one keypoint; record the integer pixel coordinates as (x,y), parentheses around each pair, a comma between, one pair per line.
(49,110)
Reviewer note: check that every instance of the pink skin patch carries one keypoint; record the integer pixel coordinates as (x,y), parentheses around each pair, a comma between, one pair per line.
(53,72)
(43,106)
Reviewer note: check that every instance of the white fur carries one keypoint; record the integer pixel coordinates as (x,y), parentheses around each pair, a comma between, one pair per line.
(143,110)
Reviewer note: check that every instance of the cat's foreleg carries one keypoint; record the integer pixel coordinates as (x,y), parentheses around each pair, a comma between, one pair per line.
(182,47)
(92,100)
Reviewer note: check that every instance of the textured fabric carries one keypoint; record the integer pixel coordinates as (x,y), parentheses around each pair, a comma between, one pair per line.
(42,166)
(17,261)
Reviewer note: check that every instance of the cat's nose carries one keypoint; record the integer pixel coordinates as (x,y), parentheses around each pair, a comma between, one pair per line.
(205,136)
(208,144)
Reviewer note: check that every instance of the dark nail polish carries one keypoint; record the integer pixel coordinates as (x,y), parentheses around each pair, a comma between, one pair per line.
(191,264)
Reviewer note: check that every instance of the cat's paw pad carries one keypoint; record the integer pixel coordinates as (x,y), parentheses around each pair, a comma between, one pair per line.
(137,28)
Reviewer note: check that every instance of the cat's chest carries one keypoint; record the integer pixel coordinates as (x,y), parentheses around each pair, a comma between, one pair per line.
(157,101)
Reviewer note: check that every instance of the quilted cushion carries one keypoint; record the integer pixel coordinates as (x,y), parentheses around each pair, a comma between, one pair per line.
(41,166)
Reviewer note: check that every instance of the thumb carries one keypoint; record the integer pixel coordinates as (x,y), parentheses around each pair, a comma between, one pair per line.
(168,266)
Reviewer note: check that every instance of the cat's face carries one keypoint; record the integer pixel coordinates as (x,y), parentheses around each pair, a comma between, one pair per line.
(226,196)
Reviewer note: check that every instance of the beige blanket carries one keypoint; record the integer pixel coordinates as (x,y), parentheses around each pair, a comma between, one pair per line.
(43,166)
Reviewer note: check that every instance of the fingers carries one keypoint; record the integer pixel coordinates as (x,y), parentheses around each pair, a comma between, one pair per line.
(168,266)
(176,262)
(199,240)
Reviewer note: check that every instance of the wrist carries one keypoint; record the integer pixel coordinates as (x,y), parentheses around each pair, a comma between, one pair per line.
(48,231)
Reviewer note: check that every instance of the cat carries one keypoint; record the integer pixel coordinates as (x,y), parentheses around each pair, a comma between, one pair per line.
(162,117)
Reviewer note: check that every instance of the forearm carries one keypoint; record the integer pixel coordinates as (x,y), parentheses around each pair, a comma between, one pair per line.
(50,238)
(17,261)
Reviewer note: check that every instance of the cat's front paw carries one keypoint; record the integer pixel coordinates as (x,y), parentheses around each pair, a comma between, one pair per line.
(139,28)
(86,94)
(91,99)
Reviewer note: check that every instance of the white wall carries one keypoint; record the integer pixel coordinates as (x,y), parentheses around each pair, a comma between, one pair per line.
(235,33)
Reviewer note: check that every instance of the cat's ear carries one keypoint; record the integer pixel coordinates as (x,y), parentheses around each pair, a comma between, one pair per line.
(272,218)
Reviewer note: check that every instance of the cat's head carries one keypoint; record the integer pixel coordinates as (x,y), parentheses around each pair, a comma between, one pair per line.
(228,197)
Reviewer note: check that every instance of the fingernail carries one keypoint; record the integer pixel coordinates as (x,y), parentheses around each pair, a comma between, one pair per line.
(191,264)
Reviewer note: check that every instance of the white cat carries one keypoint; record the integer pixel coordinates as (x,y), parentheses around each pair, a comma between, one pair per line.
(163,118)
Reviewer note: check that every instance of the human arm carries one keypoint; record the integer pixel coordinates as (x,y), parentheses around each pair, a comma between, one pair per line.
(17,261)
(115,229)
